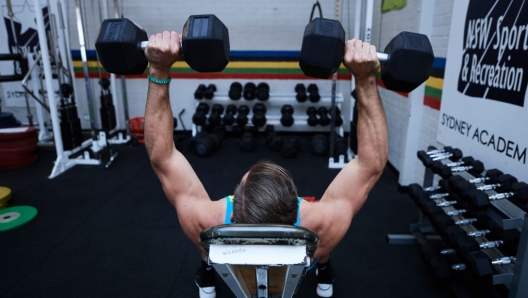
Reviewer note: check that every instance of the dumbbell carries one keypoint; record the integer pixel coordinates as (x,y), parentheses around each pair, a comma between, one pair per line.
(204,144)
(215,118)
(209,91)
(199,116)
(480,199)
(511,237)
(247,141)
(442,221)
(229,116)
(319,144)
(235,91)
(504,182)
(433,211)
(429,250)
(338,120)
(422,155)
(290,147)
(324,120)
(444,265)
(491,176)
(312,116)
(455,232)
(287,116)
(433,208)
(425,196)
(323,48)
(416,191)
(467,244)
(481,264)
(301,93)
(262,91)
(452,153)
(314,93)
(478,262)
(274,141)
(242,118)
(426,203)
(443,185)
(121,44)
(341,146)
(199,93)
(474,167)
(434,151)
(437,166)
(250,91)
(259,115)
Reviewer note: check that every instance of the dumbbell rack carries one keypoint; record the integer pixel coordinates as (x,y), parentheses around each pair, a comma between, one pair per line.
(273,114)
(506,214)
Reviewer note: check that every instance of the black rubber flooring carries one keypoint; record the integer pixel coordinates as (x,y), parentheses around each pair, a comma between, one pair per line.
(112,233)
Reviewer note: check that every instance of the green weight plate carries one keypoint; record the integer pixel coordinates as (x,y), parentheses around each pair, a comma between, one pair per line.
(15,217)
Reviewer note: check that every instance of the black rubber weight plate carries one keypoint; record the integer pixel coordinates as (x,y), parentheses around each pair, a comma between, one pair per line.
(15,217)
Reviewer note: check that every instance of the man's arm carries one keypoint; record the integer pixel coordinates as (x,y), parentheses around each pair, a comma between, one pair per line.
(349,190)
(180,183)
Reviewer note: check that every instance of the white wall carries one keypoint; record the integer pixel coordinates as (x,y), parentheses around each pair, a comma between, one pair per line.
(253,25)
(274,25)
(439,40)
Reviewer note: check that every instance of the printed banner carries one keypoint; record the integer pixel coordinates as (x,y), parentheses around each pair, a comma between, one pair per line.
(483,108)
(20,28)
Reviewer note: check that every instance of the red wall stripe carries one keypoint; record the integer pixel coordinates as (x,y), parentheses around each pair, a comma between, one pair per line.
(432,102)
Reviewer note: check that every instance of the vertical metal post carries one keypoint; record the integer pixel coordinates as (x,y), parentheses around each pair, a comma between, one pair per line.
(368,20)
(337,16)
(123,80)
(261,277)
(518,287)
(104,8)
(82,44)
(53,36)
(66,48)
(357,29)
(48,77)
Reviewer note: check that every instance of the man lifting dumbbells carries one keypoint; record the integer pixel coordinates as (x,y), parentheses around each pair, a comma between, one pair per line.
(266,193)
(267,187)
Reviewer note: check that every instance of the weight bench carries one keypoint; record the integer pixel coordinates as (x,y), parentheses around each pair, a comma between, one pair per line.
(260,260)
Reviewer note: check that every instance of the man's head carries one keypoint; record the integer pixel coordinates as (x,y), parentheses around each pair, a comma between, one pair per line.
(266,194)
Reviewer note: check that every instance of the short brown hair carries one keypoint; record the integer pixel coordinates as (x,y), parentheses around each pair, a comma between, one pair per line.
(268,196)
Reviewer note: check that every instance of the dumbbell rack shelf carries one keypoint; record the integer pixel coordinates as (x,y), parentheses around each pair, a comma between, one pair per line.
(289,97)
(273,114)
(507,215)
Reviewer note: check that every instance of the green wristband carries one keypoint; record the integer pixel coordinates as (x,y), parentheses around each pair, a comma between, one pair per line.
(159,81)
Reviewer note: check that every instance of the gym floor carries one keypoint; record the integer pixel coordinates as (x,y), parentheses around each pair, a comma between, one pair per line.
(112,233)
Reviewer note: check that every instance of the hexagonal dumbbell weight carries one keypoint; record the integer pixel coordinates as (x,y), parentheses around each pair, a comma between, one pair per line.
(200,116)
(121,44)
(287,116)
(323,48)
(259,115)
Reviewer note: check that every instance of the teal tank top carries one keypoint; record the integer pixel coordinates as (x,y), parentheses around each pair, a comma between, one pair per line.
(229,210)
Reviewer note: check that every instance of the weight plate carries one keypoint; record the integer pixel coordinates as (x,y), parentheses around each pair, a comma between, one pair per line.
(15,217)
(29,148)
(10,124)
(4,205)
(16,135)
(6,118)
(5,194)
(18,162)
